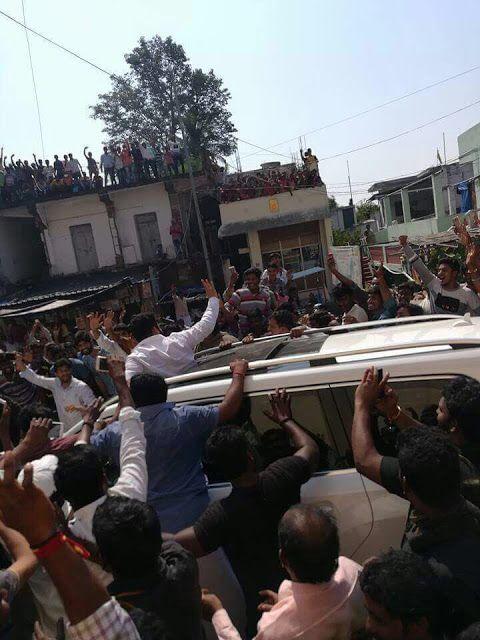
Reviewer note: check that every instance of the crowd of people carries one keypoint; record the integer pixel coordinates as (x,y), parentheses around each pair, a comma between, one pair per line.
(106,523)
(270,183)
(122,165)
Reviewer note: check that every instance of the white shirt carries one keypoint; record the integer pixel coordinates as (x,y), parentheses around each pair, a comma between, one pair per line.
(171,355)
(77,393)
(73,166)
(112,347)
(282,275)
(147,152)
(358,313)
(133,479)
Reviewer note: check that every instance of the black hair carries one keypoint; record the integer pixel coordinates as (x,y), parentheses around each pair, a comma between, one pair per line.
(122,326)
(428,416)
(284,318)
(275,444)
(453,263)
(413,309)
(53,348)
(142,326)
(341,290)
(79,476)
(82,336)
(308,538)
(252,271)
(26,415)
(149,626)
(403,584)
(227,450)
(430,464)
(319,319)
(147,389)
(462,397)
(62,362)
(128,535)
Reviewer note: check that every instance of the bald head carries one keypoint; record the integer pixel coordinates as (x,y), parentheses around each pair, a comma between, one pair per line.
(309,545)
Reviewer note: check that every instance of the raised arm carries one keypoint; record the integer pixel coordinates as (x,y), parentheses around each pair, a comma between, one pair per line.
(281,413)
(416,262)
(232,401)
(30,375)
(332,266)
(133,478)
(24,560)
(379,274)
(367,459)
(206,324)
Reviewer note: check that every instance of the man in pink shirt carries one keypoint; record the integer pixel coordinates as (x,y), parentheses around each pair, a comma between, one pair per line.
(322,600)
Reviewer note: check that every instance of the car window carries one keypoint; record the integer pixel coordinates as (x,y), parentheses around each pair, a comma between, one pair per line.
(419,397)
(315,411)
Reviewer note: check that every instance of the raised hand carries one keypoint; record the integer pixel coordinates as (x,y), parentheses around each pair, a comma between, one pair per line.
(210,605)
(210,290)
(108,321)
(116,368)
(95,321)
(19,363)
(239,367)
(379,272)
(24,507)
(93,411)
(280,403)
(370,388)
(331,264)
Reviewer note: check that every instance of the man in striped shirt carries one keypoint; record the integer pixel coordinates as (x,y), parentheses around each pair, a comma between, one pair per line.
(250,298)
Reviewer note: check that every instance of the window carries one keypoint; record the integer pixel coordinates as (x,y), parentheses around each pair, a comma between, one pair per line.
(416,396)
(315,411)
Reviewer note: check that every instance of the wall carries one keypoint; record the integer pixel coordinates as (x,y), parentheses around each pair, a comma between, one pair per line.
(136,200)
(60,215)
(254,208)
(21,250)
(469,150)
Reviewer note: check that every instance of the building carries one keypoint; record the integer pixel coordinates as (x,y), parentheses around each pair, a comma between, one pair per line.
(419,205)
(469,151)
(294,224)
(343,218)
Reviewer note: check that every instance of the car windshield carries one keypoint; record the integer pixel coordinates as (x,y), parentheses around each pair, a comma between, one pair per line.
(278,347)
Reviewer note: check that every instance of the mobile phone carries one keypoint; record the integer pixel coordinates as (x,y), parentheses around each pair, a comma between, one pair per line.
(379,375)
(101,364)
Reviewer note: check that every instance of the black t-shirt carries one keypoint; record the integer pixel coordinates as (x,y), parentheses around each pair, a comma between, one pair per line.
(451,545)
(172,592)
(245,524)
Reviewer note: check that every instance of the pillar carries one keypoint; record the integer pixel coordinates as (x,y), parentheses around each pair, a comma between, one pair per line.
(405,205)
(452,202)
(437,183)
(387,210)
(255,249)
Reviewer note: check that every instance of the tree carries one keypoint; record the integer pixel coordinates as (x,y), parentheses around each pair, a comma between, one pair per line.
(143,102)
(366,211)
(332,203)
(343,237)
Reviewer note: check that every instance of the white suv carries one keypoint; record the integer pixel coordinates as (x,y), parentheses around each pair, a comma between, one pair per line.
(321,371)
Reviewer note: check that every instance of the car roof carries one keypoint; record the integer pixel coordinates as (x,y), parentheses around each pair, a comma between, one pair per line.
(325,345)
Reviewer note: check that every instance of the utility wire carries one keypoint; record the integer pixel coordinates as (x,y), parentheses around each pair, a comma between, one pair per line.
(365,111)
(33,80)
(56,44)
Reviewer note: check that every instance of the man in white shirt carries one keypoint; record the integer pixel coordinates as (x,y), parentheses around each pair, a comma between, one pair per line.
(107,164)
(72,397)
(282,275)
(73,166)
(80,478)
(344,296)
(148,155)
(169,355)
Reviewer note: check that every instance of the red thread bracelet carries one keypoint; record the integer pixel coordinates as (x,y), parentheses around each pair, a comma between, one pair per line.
(55,542)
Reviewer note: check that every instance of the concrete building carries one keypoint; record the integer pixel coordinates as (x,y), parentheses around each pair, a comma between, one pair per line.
(469,151)
(86,232)
(295,225)
(419,205)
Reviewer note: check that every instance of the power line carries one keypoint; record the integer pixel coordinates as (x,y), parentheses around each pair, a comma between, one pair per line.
(56,44)
(399,135)
(365,111)
(33,80)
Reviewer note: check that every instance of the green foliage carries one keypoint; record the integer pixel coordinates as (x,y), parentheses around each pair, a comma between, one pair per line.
(343,237)
(332,203)
(366,211)
(142,105)
(435,254)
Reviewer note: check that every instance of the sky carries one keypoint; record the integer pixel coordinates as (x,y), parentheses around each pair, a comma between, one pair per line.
(291,68)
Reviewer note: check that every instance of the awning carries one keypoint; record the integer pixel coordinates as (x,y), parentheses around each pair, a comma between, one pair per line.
(307,272)
(267,222)
(44,308)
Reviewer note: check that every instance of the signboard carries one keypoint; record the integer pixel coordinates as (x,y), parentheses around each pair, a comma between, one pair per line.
(348,263)
(273,205)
